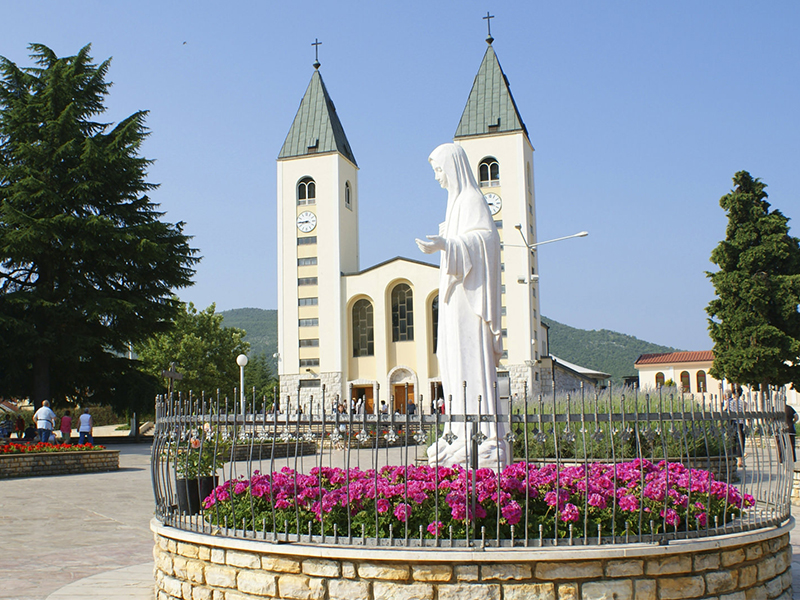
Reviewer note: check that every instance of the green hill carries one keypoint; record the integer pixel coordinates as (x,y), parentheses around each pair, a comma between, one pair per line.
(261,327)
(602,350)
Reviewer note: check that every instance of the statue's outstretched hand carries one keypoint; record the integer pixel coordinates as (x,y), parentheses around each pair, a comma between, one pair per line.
(434,243)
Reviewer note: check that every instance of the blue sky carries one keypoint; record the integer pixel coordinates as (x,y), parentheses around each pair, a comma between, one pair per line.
(640,114)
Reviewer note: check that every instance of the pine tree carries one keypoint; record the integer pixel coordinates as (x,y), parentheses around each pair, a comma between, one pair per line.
(87,267)
(754,320)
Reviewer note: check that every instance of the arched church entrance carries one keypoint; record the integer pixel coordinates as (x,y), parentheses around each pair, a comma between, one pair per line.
(363,394)
(402,383)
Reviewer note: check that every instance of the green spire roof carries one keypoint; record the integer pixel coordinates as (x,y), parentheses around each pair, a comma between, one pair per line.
(490,106)
(316,128)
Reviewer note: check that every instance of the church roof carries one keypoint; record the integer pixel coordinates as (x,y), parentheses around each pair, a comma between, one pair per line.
(490,106)
(675,357)
(316,128)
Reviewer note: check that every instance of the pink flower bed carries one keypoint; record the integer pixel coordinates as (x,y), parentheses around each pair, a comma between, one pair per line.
(12,448)
(645,497)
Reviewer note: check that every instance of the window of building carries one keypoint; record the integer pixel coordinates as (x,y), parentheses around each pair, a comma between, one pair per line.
(701,382)
(305,241)
(499,223)
(503,311)
(505,354)
(435,322)
(309,362)
(347,197)
(363,329)
(305,262)
(489,172)
(306,191)
(504,332)
(307,301)
(310,343)
(502,289)
(307,281)
(686,382)
(659,379)
(402,313)
(309,323)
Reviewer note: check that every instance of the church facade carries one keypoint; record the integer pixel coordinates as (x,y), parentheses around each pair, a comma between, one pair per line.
(370,333)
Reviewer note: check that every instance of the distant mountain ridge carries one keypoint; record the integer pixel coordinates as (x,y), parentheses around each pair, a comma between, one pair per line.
(601,350)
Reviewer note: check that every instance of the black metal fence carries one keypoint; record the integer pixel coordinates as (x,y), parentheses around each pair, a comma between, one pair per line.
(613,468)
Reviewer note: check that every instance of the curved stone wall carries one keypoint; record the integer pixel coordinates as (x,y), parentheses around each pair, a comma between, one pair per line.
(744,566)
(58,463)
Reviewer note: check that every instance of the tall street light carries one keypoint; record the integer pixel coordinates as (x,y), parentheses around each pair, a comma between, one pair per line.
(241,360)
(531,247)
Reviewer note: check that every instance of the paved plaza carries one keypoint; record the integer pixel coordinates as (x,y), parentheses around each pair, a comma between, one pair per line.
(88,536)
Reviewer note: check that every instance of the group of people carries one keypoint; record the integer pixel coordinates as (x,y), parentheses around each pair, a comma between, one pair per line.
(45,421)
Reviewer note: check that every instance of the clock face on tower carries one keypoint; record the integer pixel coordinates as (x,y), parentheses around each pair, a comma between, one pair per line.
(494,202)
(306,221)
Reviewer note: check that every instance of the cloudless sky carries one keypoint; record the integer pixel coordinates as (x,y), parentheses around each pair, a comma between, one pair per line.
(640,114)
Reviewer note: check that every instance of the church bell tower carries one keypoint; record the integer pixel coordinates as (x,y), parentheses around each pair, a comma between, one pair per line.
(317,242)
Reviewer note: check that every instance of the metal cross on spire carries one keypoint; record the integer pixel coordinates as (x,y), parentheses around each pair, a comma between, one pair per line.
(488,18)
(316,45)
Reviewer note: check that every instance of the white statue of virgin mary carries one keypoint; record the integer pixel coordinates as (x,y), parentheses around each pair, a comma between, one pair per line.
(469,337)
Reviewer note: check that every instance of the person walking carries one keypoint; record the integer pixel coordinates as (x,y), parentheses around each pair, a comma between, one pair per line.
(85,428)
(45,420)
(66,428)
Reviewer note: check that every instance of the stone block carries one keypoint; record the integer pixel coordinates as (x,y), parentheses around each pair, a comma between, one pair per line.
(572,570)
(220,576)
(179,567)
(321,567)
(218,556)
(786,577)
(758,592)
(774,587)
(776,544)
(732,557)
(202,593)
(256,582)
(245,560)
(754,552)
(187,550)
(748,576)
(399,591)
(345,589)
(300,587)
(194,571)
(783,560)
(624,568)
(348,570)
(163,562)
(733,596)
(529,591)
(431,572)
(204,553)
(644,589)
(384,571)
(186,590)
(677,588)
(766,569)
(568,591)
(505,571)
(466,572)
(238,596)
(669,565)
(706,562)
(279,564)
(718,582)
(172,586)
(469,591)
(607,590)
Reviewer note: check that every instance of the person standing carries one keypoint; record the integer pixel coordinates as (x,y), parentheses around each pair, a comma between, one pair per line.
(735,406)
(791,419)
(85,428)
(45,420)
(66,428)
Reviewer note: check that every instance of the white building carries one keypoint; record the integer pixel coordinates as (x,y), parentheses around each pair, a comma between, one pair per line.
(373,330)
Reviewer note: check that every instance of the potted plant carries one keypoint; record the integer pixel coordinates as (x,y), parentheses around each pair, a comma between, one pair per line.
(196,460)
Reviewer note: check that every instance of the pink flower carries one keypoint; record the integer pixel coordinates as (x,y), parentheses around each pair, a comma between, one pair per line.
(570,513)
(436,528)
(512,512)
(402,511)
(383,505)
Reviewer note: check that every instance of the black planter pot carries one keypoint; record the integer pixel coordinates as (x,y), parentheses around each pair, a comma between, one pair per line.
(192,491)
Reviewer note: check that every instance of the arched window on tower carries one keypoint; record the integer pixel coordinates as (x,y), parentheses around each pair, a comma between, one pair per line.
(306,191)
(659,379)
(701,382)
(363,329)
(686,382)
(402,313)
(435,322)
(347,197)
(489,172)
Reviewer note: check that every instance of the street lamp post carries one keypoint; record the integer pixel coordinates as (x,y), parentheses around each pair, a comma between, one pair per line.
(241,360)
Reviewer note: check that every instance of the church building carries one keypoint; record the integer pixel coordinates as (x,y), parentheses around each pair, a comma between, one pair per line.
(369,332)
